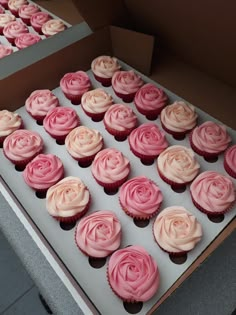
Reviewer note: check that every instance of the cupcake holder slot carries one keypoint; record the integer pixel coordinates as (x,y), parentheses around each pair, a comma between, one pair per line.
(92,280)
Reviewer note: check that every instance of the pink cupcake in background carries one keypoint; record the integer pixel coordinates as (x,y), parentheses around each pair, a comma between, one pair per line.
(13,30)
(38,19)
(74,85)
(52,27)
(5,18)
(125,84)
(230,161)
(5,51)
(9,122)
(4,3)
(26,11)
(14,6)
(25,40)
(2,10)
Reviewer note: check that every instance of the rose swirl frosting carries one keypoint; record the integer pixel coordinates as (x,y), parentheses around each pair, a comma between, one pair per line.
(26,40)
(75,83)
(5,51)
(16,4)
(96,101)
(230,158)
(120,117)
(38,19)
(126,82)
(14,29)
(6,18)
(105,66)
(27,10)
(53,26)
(9,122)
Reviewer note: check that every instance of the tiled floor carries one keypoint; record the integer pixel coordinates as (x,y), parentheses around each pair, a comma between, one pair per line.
(18,293)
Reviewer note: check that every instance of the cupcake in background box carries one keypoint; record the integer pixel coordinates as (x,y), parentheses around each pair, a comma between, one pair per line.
(5,51)
(52,27)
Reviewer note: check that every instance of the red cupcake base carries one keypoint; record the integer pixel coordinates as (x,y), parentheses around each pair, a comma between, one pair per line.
(106,82)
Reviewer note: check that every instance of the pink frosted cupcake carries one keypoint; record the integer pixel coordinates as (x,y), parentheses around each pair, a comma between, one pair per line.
(230,161)
(52,27)
(213,193)
(140,198)
(14,6)
(25,40)
(39,103)
(150,100)
(59,121)
(147,142)
(119,121)
(125,84)
(38,19)
(99,234)
(74,85)
(5,51)
(68,200)
(5,18)
(83,144)
(2,10)
(178,119)
(4,3)
(14,29)
(103,68)
(26,11)
(95,103)
(9,122)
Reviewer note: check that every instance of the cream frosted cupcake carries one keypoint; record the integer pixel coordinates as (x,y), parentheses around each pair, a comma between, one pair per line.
(38,19)
(26,11)
(9,122)
(5,18)
(14,6)
(25,40)
(52,27)
(13,30)
(5,51)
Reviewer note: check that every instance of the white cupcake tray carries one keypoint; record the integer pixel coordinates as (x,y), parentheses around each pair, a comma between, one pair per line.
(93,281)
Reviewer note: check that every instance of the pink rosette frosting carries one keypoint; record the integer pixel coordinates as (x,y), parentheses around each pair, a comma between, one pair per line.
(52,27)
(178,164)
(110,166)
(14,29)
(83,142)
(213,191)
(38,19)
(5,18)
(43,171)
(99,234)
(140,196)
(133,274)
(148,139)
(176,230)
(5,51)
(60,121)
(230,159)
(105,66)
(96,101)
(179,117)
(2,10)
(25,40)
(27,10)
(210,137)
(75,83)
(40,102)
(120,117)
(67,198)
(126,82)
(9,122)
(14,5)
(4,3)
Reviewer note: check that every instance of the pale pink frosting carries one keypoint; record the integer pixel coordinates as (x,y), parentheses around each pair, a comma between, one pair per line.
(140,196)
(178,164)
(2,10)
(16,4)
(83,142)
(38,19)
(126,82)
(177,230)
(120,117)
(26,10)
(179,117)
(96,101)
(9,122)
(148,139)
(230,158)
(26,40)
(53,27)
(67,198)
(75,83)
(213,191)
(40,102)
(22,144)
(5,18)
(99,234)
(110,166)
(43,171)
(211,137)
(5,51)
(105,66)
(59,121)
(14,29)
(133,274)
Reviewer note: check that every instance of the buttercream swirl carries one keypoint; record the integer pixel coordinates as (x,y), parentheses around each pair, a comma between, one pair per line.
(110,166)
(105,66)
(211,137)
(52,27)
(43,171)
(6,18)
(177,230)
(67,198)
(14,29)
(96,101)
(140,196)
(38,19)
(75,83)
(213,191)
(27,10)
(126,82)
(9,122)
(25,40)
(120,117)
(99,234)
(230,159)
(5,51)
(14,5)
(179,117)
(133,274)
(83,142)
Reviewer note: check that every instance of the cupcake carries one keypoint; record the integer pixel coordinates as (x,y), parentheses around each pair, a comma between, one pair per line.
(5,51)
(230,161)
(133,274)
(44,171)
(83,144)
(178,119)
(209,139)
(26,11)
(21,146)
(119,121)
(74,85)
(5,18)
(176,230)
(140,197)
(95,103)
(52,27)
(39,103)
(9,122)
(14,6)
(68,200)
(213,193)
(150,100)
(99,234)
(38,19)
(147,142)
(14,29)
(177,166)
(4,3)
(103,68)
(59,121)
(125,84)
(25,40)
(110,169)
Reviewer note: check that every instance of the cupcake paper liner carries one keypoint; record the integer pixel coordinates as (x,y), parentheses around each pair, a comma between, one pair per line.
(75,99)
(150,114)
(127,98)
(228,169)
(96,117)
(111,186)
(14,12)
(26,21)
(24,162)
(175,134)
(75,217)
(104,81)
(173,184)
(37,29)
(145,158)
(119,135)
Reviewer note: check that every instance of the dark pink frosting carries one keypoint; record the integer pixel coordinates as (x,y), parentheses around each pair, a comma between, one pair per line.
(126,82)
(75,83)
